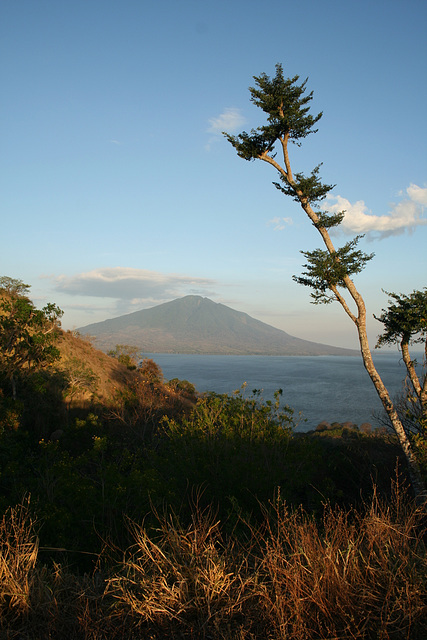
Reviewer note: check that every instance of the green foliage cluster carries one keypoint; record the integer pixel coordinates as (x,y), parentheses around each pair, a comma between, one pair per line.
(312,188)
(326,271)
(287,110)
(234,417)
(28,335)
(405,319)
(183,386)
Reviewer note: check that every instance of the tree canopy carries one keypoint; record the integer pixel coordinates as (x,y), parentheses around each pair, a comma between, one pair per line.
(287,107)
(405,323)
(27,335)
(405,319)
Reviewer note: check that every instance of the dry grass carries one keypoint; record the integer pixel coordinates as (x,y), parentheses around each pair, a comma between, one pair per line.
(38,601)
(18,557)
(355,575)
(186,580)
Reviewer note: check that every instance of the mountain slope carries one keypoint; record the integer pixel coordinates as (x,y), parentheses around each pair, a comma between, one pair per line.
(197,325)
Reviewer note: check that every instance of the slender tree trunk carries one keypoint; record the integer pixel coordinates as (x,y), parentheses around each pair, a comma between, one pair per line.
(404,347)
(420,389)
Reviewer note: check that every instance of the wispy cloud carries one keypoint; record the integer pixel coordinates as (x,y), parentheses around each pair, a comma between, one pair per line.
(403,217)
(229,120)
(131,287)
(279,224)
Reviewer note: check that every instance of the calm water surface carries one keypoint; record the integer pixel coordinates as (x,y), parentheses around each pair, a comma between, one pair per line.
(332,388)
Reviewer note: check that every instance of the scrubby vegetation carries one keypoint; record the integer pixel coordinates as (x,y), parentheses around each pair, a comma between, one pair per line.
(132,508)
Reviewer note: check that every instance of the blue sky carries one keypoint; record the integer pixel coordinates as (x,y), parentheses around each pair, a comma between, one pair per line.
(118,191)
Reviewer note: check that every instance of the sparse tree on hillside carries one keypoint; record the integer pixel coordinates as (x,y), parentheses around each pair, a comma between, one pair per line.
(27,335)
(329,271)
(13,286)
(126,354)
(151,372)
(79,377)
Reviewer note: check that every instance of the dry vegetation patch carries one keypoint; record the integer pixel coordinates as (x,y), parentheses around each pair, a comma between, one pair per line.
(184,578)
(357,575)
(111,376)
(354,575)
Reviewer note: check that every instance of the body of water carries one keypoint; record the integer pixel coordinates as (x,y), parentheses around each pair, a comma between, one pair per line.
(332,388)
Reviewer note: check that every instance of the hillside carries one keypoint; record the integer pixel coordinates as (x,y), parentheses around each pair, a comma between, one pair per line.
(194,324)
(79,354)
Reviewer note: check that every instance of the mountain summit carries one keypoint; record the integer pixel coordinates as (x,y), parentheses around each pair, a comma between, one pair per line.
(194,324)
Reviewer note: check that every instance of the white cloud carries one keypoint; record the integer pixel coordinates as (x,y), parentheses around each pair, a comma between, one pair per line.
(417,194)
(279,224)
(404,216)
(229,120)
(131,287)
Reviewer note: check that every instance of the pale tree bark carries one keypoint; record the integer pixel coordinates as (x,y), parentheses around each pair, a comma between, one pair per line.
(404,347)
(420,389)
(359,319)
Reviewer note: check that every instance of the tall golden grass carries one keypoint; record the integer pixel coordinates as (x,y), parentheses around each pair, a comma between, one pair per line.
(358,574)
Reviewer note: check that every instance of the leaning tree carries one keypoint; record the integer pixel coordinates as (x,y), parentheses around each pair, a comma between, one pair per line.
(328,272)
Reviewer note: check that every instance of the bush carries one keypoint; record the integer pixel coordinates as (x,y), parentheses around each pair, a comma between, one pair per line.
(150,371)
(186,388)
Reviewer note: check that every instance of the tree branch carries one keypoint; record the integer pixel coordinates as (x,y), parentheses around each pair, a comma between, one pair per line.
(264,156)
(343,303)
